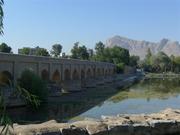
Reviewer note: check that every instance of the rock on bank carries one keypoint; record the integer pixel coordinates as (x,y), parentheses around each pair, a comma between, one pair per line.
(166,122)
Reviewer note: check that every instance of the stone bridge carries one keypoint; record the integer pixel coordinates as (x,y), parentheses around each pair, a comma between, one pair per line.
(70,74)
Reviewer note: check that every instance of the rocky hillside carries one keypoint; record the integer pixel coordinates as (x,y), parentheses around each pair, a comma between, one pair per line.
(139,48)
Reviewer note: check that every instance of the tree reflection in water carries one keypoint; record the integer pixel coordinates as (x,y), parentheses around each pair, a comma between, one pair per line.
(150,89)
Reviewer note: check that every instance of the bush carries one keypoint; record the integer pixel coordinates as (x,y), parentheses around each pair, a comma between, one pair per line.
(34,84)
(120,67)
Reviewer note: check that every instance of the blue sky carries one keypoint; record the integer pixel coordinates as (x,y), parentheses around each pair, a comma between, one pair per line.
(46,22)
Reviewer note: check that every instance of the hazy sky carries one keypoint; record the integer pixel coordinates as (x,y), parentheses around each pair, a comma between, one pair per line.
(46,22)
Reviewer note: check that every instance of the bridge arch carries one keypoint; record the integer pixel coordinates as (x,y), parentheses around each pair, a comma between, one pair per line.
(56,76)
(6,78)
(67,74)
(75,75)
(45,75)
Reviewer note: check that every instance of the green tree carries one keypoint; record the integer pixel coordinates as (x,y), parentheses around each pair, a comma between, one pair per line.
(41,52)
(5,48)
(172,57)
(33,84)
(99,47)
(75,51)
(1,16)
(99,50)
(91,53)
(133,60)
(160,62)
(25,51)
(56,50)
(177,64)
(148,56)
(83,53)
(79,52)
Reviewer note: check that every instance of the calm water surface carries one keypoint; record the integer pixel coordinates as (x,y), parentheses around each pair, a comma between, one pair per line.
(147,96)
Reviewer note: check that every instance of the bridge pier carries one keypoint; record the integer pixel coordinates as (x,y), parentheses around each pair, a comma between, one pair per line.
(71,86)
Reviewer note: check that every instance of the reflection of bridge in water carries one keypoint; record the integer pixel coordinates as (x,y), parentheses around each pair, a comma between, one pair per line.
(65,107)
(71,74)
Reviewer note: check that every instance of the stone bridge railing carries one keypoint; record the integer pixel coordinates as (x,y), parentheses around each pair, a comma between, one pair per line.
(71,74)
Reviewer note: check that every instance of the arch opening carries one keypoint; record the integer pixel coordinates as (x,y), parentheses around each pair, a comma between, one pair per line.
(56,76)
(75,75)
(45,75)
(82,74)
(6,78)
(106,72)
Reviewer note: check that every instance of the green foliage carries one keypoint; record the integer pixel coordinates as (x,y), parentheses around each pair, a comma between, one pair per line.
(41,52)
(160,63)
(114,55)
(120,67)
(79,52)
(33,84)
(5,48)
(25,51)
(99,48)
(133,60)
(5,120)
(1,16)
(91,53)
(56,50)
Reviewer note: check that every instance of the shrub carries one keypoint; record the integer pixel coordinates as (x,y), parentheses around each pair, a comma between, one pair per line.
(34,84)
(120,67)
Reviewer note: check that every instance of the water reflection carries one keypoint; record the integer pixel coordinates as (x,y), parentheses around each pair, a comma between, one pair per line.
(147,96)
(149,89)
(63,108)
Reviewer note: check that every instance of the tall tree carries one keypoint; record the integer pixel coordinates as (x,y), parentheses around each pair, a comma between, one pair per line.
(79,52)
(56,50)
(42,52)
(24,50)
(5,48)
(99,47)
(75,51)
(133,60)
(1,16)
(83,53)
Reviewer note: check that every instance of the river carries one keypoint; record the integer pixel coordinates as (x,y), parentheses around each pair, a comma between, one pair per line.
(146,96)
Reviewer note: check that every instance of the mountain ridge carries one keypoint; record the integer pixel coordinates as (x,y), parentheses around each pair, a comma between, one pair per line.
(140,47)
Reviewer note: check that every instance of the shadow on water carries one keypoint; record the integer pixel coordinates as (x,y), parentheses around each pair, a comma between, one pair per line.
(147,96)
(64,107)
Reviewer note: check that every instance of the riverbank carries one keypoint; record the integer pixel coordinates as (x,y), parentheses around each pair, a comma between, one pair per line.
(162,75)
(166,122)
